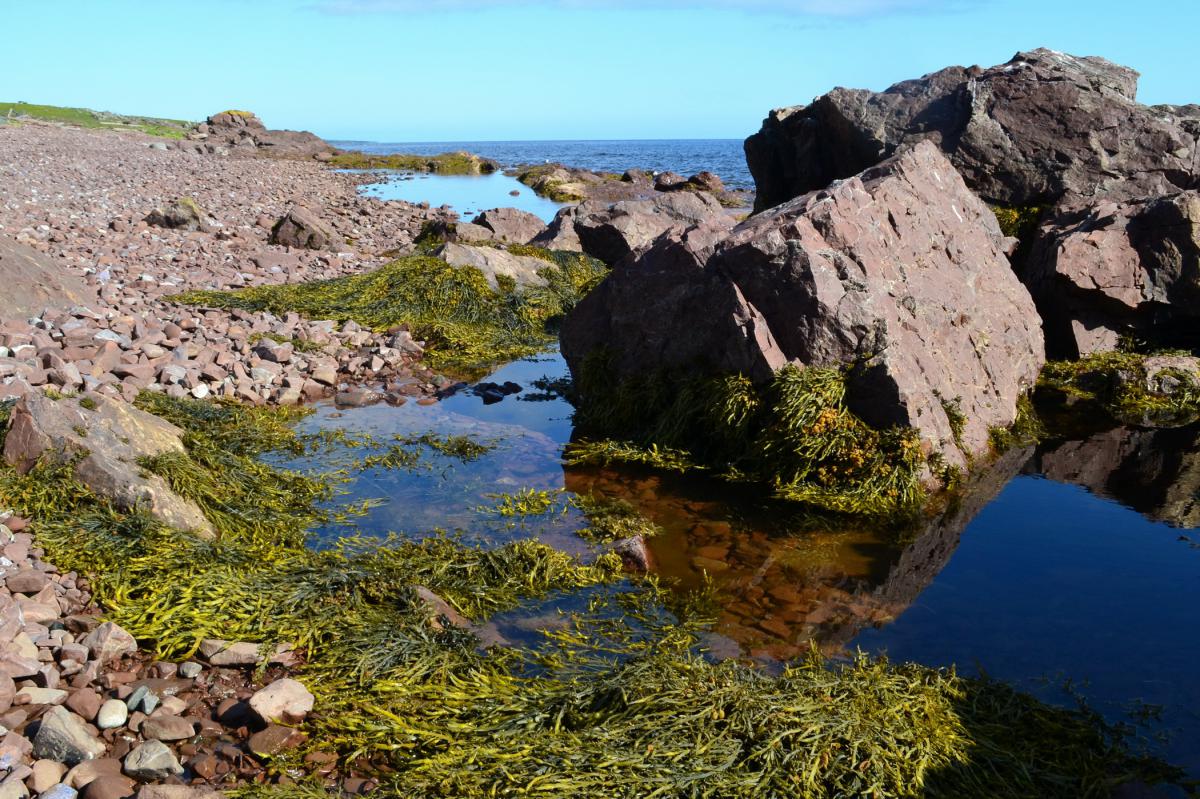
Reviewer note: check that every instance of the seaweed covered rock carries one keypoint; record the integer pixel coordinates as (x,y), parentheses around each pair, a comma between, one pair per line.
(497,265)
(104,441)
(1041,127)
(613,231)
(33,282)
(300,228)
(898,273)
(1119,269)
(511,225)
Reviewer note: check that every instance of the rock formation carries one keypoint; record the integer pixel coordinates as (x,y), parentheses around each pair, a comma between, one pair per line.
(495,263)
(301,229)
(243,132)
(899,270)
(511,225)
(1044,126)
(1056,136)
(613,231)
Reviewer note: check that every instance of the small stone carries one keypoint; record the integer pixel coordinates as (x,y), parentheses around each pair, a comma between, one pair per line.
(283,701)
(110,787)
(85,772)
(62,737)
(46,774)
(167,728)
(113,713)
(59,791)
(27,581)
(14,789)
(190,670)
(109,642)
(274,739)
(85,702)
(40,696)
(152,761)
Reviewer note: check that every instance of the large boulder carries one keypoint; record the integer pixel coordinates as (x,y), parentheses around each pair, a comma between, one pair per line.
(303,230)
(1042,127)
(511,225)
(612,231)
(1119,269)
(900,270)
(104,439)
(33,282)
(182,214)
(495,263)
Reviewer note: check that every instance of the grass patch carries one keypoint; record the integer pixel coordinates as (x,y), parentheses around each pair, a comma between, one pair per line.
(87,118)
(794,435)
(466,324)
(442,164)
(617,704)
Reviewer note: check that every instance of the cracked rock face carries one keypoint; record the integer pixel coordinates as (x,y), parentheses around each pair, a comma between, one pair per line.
(1119,268)
(900,270)
(1042,127)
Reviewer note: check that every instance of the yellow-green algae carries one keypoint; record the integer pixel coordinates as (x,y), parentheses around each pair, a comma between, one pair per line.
(467,324)
(458,163)
(617,704)
(1118,382)
(795,435)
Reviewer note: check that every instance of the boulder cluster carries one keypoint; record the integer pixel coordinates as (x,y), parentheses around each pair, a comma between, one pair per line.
(877,245)
(1109,186)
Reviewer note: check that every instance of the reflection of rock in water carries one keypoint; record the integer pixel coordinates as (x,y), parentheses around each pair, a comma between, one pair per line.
(783,580)
(1155,472)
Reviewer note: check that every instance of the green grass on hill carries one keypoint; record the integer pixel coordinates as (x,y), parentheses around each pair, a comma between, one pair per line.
(87,118)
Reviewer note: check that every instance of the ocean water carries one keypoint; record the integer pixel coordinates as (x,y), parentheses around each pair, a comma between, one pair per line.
(685,156)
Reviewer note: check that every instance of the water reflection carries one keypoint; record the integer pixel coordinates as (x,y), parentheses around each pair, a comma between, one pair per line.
(466,194)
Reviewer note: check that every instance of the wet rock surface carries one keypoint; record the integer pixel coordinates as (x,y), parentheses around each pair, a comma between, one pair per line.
(899,270)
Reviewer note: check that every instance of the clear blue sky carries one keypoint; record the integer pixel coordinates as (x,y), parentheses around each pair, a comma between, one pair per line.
(424,70)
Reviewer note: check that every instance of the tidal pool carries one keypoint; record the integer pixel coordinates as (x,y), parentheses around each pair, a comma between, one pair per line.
(466,194)
(1069,571)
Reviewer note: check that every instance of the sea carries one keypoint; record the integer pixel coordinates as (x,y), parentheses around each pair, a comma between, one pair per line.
(723,157)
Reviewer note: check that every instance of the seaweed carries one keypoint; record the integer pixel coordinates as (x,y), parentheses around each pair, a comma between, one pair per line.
(467,325)
(794,434)
(1121,383)
(457,163)
(620,702)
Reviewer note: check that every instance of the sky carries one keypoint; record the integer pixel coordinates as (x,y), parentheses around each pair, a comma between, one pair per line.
(495,70)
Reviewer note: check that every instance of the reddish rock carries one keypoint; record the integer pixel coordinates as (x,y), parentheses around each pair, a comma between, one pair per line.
(34,281)
(300,228)
(900,270)
(611,232)
(511,225)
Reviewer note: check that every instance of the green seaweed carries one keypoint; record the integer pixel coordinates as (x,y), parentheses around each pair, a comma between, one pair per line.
(618,703)
(457,163)
(794,435)
(1119,383)
(467,324)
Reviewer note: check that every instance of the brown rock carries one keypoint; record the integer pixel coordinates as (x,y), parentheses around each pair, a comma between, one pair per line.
(511,225)
(274,739)
(899,270)
(105,443)
(109,786)
(167,728)
(1043,126)
(611,232)
(183,214)
(33,281)
(300,228)
(84,702)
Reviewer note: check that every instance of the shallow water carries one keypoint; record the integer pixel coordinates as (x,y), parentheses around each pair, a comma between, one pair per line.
(466,194)
(1044,575)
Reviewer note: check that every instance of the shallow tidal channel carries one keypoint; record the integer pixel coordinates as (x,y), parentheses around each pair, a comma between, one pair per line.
(1072,571)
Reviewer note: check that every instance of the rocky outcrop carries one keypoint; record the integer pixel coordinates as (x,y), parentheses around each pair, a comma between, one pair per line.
(495,263)
(243,132)
(900,270)
(511,225)
(303,230)
(33,282)
(614,231)
(1119,268)
(104,439)
(1043,127)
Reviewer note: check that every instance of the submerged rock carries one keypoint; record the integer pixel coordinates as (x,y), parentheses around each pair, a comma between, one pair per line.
(1043,126)
(899,271)
(104,439)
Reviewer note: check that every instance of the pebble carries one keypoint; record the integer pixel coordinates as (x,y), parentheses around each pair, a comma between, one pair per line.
(113,713)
